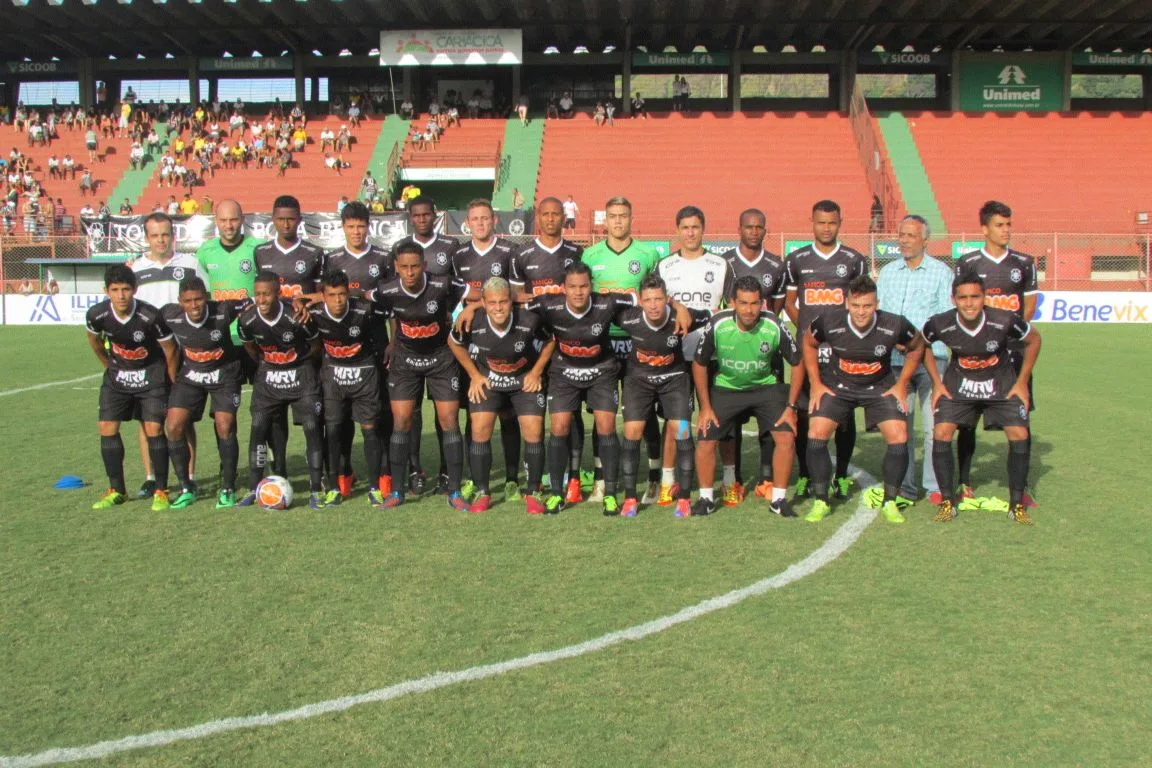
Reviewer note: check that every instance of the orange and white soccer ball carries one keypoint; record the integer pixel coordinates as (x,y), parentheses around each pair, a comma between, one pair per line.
(274,492)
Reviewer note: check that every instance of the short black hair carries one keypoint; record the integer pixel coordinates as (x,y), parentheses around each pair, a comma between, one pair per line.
(967,278)
(157,218)
(748,284)
(267,276)
(577,268)
(119,274)
(356,211)
(861,285)
(334,278)
(193,283)
(993,208)
(753,212)
(688,212)
(653,281)
(826,206)
(422,200)
(409,246)
(550,199)
(286,201)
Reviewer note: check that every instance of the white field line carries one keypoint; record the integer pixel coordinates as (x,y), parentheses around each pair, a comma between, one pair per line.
(6,392)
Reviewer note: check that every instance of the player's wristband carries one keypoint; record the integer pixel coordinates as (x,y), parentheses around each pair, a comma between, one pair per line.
(794,406)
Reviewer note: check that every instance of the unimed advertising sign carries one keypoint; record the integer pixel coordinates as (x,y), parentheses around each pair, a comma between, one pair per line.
(1002,82)
(443,47)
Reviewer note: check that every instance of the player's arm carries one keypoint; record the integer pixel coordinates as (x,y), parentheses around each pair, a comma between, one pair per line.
(1031,339)
(705,352)
(683,316)
(533,380)
(913,355)
(477,382)
(791,295)
(938,389)
(811,352)
(1029,306)
(171,356)
(96,341)
(1031,291)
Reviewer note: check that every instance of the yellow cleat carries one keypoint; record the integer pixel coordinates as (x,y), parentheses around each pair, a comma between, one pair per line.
(667,495)
(733,494)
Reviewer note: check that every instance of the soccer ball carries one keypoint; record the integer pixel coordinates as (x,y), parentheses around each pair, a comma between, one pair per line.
(274,492)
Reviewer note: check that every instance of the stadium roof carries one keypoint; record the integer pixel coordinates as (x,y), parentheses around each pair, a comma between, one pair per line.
(125,28)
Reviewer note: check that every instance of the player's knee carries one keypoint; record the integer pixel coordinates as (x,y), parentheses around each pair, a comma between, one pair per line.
(683,430)
(153,429)
(783,438)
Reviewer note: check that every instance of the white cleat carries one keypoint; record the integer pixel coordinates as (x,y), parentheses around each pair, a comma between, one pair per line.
(597,495)
(651,493)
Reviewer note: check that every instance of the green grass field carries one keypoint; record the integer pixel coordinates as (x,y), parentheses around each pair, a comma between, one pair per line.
(973,643)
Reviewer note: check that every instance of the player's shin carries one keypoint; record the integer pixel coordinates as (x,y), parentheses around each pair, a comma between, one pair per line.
(557,458)
(399,456)
(767,449)
(895,465)
(629,466)
(229,459)
(347,433)
(802,443)
(453,457)
(112,452)
(610,458)
(534,456)
(372,450)
(414,443)
(278,442)
(180,455)
(314,454)
(819,467)
(334,442)
(685,466)
(845,445)
(480,463)
(944,465)
(158,453)
(965,452)
(654,439)
(257,450)
(1019,457)
(510,441)
(575,449)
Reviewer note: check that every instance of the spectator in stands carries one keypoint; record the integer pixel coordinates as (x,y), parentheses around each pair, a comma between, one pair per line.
(30,210)
(179,171)
(377,206)
(368,186)
(299,139)
(407,109)
(453,115)
(87,183)
(37,135)
(876,217)
(172,207)
(341,205)
(283,162)
(297,115)
(610,112)
(125,208)
(8,215)
(90,143)
(53,167)
(522,109)
(189,206)
(327,139)
(332,163)
(344,139)
(136,156)
(638,107)
(474,105)
(570,212)
(354,115)
(48,216)
(51,287)
(61,214)
(599,116)
(26,287)
(207,205)
(87,210)
(685,93)
(566,105)
(235,123)
(517,199)
(676,93)
(104,212)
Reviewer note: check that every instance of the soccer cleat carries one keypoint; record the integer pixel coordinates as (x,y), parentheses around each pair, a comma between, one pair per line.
(109,500)
(702,508)
(1028,499)
(891,512)
(611,506)
(184,500)
(819,511)
(667,495)
(191,487)
(903,502)
(147,489)
(841,487)
(441,484)
(383,485)
(160,501)
(512,491)
(248,499)
(683,508)
(802,491)
(652,493)
(333,498)
(482,503)
(587,478)
(316,499)
(391,501)
(1019,514)
(945,512)
(782,508)
(936,498)
(967,492)
(226,499)
(533,505)
(344,483)
(375,498)
(457,501)
(764,489)
(553,504)
(734,494)
(630,508)
(574,495)
(467,489)
(597,495)
(417,484)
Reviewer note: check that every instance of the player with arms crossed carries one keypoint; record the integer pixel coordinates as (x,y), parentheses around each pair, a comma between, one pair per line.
(740,344)
(981,380)
(859,375)
(138,362)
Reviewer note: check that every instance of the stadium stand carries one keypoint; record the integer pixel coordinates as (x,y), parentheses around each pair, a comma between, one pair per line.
(472,143)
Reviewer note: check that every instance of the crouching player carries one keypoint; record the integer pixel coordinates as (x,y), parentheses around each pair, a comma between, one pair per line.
(499,352)
(739,344)
(211,367)
(859,375)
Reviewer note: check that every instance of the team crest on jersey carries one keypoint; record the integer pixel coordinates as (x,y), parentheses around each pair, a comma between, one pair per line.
(442,259)
(841,270)
(178,273)
(288,336)
(516,227)
(764,347)
(1016,276)
(992,346)
(634,267)
(597,329)
(301,267)
(374,270)
(567,262)
(709,277)
(672,341)
(432,306)
(138,336)
(245,265)
(767,281)
(518,346)
(354,331)
(215,335)
(496,269)
(880,350)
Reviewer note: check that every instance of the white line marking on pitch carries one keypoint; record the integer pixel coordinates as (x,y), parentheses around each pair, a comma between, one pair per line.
(845,536)
(7,392)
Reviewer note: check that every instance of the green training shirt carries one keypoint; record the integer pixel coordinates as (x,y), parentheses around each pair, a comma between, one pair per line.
(230,274)
(620,271)
(743,359)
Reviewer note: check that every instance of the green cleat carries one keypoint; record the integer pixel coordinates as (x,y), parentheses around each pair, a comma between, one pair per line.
(611,507)
(375,498)
(820,510)
(160,501)
(333,498)
(226,499)
(184,500)
(842,487)
(109,500)
(467,489)
(891,512)
(512,491)
(802,491)
(553,504)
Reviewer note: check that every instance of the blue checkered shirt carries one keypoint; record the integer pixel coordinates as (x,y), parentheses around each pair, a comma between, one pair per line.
(917,294)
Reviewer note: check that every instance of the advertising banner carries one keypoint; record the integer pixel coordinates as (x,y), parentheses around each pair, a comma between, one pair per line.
(246,64)
(1011,82)
(1119,60)
(695,60)
(1093,307)
(60,309)
(446,47)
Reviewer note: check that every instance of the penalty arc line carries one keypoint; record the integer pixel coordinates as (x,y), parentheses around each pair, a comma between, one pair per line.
(846,535)
(20,390)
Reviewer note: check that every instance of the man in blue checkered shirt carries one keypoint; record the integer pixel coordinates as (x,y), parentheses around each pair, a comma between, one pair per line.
(917,286)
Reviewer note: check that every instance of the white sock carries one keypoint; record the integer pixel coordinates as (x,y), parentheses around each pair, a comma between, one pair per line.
(706,493)
(779,493)
(668,475)
(598,464)
(654,464)
(729,474)
(150,477)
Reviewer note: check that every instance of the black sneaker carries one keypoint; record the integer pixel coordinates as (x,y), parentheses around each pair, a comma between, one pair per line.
(146,490)
(441,484)
(417,483)
(703,507)
(782,508)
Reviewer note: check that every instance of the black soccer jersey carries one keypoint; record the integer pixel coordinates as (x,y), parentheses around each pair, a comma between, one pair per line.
(437,253)
(820,282)
(357,338)
(1006,282)
(206,346)
(582,339)
(504,357)
(299,268)
(473,267)
(656,350)
(134,353)
(861,360)
(538,270)
(283,342)
(980,367)
(365,270)
(768,268)
(424,318)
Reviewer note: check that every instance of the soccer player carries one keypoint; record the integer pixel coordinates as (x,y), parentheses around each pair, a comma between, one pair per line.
(419,357)
(139,359)
(1009,283)
(210,369)
(499,352)
(740,343)
(366,265)
(285,377)
(656,372)
(618,264)
(353,334)
(981,380)
(817,278)
(700,281)
(859,375)
(538,267)
(298,263)
(228,262)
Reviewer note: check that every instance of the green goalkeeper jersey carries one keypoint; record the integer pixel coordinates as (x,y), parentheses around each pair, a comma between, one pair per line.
(230,274)
(742,360)
(620,271)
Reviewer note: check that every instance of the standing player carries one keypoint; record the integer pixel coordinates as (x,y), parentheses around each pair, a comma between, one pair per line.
(505,371)
(618,264)
(228,262)
(419,358)
(1009,283)
(210,369)
(538,267)
(739,345)
(285,377)
(138,361)
(817,278)
(352,332)
(981,380)
(700,281)
(859,375)
(298,263)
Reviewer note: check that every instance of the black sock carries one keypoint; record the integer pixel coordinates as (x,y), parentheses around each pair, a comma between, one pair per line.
(575,449)
(258,449)
(845,445)
(557,458)
(347,433)
(685,466)
(480,461)
(597,461)
(158,453)
(314,455)
(398,456)
(229,459)
(895,465)
(738,445)
(965,451)
(944,466)
(610,459)
(654,439)
(767,450)
(453,457)
(629,464)
(440,448)
(278,442)
(372,458)
(334,439)
(112,452)
(534,456)
(1019,457)
(820,467)
(802,443)
(510,440)
(413,444)
(179,454)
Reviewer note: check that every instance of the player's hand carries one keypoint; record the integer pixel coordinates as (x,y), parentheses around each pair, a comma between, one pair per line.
(900,392)
(707,416)
(1020,390)
(464,321)
(386,357)
(683,320)
(478,389)
(532,382)
(788,418)
(299,309)
(938,392)
(818,393)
